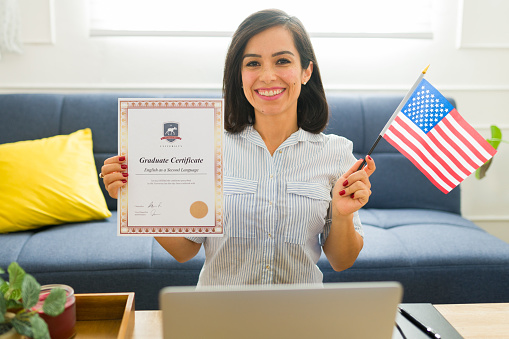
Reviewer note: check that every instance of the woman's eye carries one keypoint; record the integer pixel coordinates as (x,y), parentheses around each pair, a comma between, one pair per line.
(283,61)
(252,64)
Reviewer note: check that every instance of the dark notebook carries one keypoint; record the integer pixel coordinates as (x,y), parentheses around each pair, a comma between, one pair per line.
(427,315)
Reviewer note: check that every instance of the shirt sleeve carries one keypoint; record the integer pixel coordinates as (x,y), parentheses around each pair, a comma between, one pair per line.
(198,240)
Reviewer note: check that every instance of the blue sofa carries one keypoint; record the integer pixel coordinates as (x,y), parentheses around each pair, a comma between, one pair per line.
(414,233)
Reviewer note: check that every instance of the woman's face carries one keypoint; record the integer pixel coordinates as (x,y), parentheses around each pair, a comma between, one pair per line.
(272,74)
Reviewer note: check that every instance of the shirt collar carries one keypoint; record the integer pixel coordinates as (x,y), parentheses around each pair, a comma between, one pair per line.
(252,135)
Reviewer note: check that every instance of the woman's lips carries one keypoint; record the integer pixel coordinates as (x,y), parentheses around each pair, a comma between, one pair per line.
(270,93)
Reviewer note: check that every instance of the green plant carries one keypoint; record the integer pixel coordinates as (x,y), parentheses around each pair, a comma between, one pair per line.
(495,140)
(20,295)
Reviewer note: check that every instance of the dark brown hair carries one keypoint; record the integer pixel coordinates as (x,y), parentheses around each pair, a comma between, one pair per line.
(312,108)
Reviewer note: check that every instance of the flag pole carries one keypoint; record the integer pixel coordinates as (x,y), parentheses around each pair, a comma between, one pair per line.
(398,109)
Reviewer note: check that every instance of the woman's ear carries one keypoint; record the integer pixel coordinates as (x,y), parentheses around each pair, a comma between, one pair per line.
(307,73)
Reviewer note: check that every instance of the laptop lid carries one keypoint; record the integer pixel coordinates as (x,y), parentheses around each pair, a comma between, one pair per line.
(336,310)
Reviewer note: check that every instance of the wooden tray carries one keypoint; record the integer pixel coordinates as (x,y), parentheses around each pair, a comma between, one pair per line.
(104,315)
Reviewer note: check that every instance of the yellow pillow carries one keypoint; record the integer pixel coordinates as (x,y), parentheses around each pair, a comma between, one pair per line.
(49,181)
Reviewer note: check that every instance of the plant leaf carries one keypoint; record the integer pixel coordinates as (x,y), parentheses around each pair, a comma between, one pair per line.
(39,327)
(30,290)
(3,308)
(496,136)
(4,287)
(16,276)
(22,327)
(55,302)
(2,282)
(481,171)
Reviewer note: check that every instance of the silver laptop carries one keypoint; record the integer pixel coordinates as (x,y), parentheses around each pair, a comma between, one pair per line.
(336,310)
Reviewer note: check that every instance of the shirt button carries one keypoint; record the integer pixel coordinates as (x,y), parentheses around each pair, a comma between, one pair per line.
(270,235)
(270,203)
(271,176)
(280,151)
(267,267)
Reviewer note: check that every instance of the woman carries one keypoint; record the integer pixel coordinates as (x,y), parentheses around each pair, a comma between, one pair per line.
(289,190)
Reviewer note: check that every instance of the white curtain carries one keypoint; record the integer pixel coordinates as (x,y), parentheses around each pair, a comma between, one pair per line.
(10,27)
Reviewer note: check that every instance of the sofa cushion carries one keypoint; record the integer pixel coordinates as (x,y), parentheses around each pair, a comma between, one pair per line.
(439,257)
(49,181)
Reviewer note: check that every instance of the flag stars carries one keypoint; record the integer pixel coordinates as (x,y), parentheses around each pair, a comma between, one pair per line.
(426,108)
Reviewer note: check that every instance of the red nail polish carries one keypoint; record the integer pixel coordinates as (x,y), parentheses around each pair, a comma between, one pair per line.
(369,158)
(123,166)
(352,195)
(125,174)
(345,183)
(122,158)
(124,181)
(342,192)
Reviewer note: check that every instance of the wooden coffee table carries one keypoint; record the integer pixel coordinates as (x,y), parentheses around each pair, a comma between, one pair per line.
(479,321)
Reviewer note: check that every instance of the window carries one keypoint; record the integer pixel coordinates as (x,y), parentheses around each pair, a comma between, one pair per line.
(322,18)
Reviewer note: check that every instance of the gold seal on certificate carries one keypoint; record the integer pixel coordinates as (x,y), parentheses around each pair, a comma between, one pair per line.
(174,151)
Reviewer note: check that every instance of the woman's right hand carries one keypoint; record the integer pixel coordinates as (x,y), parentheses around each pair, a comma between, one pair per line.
(114,174)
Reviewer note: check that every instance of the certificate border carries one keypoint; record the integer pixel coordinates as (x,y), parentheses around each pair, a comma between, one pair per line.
(124,104)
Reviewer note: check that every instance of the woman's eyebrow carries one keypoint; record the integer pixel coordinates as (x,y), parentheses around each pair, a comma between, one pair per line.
(251,56)
(282,52)
(273,55)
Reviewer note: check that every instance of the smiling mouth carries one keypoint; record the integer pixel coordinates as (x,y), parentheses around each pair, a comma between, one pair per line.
(270,93)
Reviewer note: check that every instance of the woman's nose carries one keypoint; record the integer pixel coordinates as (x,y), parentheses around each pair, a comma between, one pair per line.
(268,74)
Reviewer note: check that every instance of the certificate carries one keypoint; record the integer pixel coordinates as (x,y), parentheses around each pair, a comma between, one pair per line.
(174,154)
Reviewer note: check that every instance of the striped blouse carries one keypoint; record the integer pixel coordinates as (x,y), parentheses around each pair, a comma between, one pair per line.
(276,209)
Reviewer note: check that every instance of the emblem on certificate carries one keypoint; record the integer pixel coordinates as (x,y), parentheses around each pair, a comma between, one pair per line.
(174,152)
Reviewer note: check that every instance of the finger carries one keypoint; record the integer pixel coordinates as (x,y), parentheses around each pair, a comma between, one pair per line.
(371,167)
(352,169)
(111,178)
(115,159)
(355,187)
(362,196)
(359,176)
(114,187)
(112,168)
(113,164)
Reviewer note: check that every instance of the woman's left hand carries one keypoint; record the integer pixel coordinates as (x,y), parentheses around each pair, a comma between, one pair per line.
(352,190)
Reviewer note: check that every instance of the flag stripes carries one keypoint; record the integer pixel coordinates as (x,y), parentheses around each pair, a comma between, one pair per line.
(447,154)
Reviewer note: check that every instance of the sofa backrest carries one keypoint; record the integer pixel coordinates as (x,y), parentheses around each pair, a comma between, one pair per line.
(360,118)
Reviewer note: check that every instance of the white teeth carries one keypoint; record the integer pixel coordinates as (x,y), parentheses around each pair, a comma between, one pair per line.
(271,93)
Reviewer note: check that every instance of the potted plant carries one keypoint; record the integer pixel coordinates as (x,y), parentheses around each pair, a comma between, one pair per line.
(18,297)
(495,140)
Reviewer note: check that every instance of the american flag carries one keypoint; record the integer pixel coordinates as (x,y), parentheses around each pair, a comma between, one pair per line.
(436,139)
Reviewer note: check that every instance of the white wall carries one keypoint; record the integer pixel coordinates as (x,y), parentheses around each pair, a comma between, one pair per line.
(477,76)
